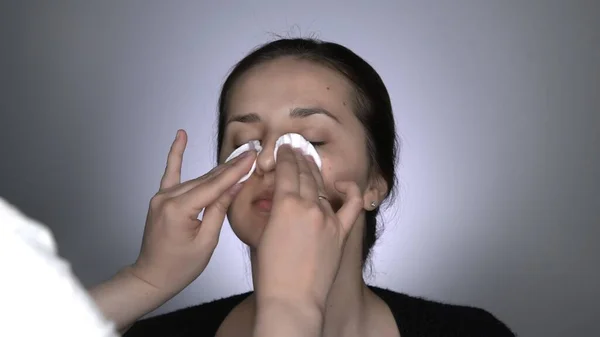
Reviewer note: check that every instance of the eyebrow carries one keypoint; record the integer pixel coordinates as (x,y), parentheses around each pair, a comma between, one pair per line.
(294,113)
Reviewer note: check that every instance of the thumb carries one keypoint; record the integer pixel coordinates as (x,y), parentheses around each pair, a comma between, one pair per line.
(215,213)
(353,204)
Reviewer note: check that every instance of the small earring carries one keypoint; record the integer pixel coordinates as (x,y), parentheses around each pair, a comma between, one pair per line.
(373,204)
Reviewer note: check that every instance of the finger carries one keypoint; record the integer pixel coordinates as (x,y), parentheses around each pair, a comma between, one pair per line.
(352,206)
(172,175)
(214,214)
(210,190)
(307,184)
(286,171)
(192,183)
(316,173)
(212,174)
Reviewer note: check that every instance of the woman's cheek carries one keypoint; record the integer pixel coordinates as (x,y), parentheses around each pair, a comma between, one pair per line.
(336,170)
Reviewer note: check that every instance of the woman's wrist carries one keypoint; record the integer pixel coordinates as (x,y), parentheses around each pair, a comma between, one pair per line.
(125,298)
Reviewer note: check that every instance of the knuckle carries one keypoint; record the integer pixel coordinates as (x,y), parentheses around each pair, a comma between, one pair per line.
(311,210)
(208,175)
(315,213)
(214,172)
(175,155)
(156,201)
(208,240)
(170,206)
(289,201)
(220,168)
(357,201)
(306,175)
(221,206)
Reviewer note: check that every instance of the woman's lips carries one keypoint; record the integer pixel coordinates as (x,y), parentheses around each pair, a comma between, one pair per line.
(263,205)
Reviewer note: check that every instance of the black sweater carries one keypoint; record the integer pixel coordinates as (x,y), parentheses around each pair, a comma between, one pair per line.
(415,317)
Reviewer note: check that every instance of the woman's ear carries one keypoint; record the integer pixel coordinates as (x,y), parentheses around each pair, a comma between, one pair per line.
(375,192)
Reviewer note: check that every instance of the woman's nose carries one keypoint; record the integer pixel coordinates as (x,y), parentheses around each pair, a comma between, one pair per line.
(265,161)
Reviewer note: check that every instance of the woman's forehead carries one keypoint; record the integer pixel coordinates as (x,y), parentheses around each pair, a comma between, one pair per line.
(287,83)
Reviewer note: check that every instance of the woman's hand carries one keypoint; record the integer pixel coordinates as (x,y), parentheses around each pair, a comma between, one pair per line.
(177,246)
(301,247)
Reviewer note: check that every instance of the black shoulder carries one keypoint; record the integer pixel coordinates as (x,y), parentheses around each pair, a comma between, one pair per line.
(200,320)
(476,322)
(418,316)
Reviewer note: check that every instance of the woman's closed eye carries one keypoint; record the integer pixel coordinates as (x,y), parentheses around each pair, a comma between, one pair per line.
(315,144)
(238,144)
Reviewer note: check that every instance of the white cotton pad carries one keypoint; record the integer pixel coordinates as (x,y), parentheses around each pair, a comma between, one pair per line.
(251,145)
(297,141)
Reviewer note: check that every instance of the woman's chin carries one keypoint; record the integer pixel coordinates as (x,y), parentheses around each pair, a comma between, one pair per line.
(249,228)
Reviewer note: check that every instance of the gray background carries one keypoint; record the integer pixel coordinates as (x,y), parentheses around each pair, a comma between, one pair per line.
(497,104)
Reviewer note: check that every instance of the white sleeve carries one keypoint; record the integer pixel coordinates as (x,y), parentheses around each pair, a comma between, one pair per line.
(39,294)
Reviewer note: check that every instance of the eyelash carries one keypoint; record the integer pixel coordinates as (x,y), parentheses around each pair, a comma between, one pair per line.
(315,144)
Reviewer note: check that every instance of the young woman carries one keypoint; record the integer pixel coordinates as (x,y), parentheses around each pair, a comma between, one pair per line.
(309,231)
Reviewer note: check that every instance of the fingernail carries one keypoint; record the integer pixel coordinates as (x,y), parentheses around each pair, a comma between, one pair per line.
(239,157)
(177,135)
(245,154)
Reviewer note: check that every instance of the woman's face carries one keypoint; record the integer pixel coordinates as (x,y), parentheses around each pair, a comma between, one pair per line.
(289,95)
